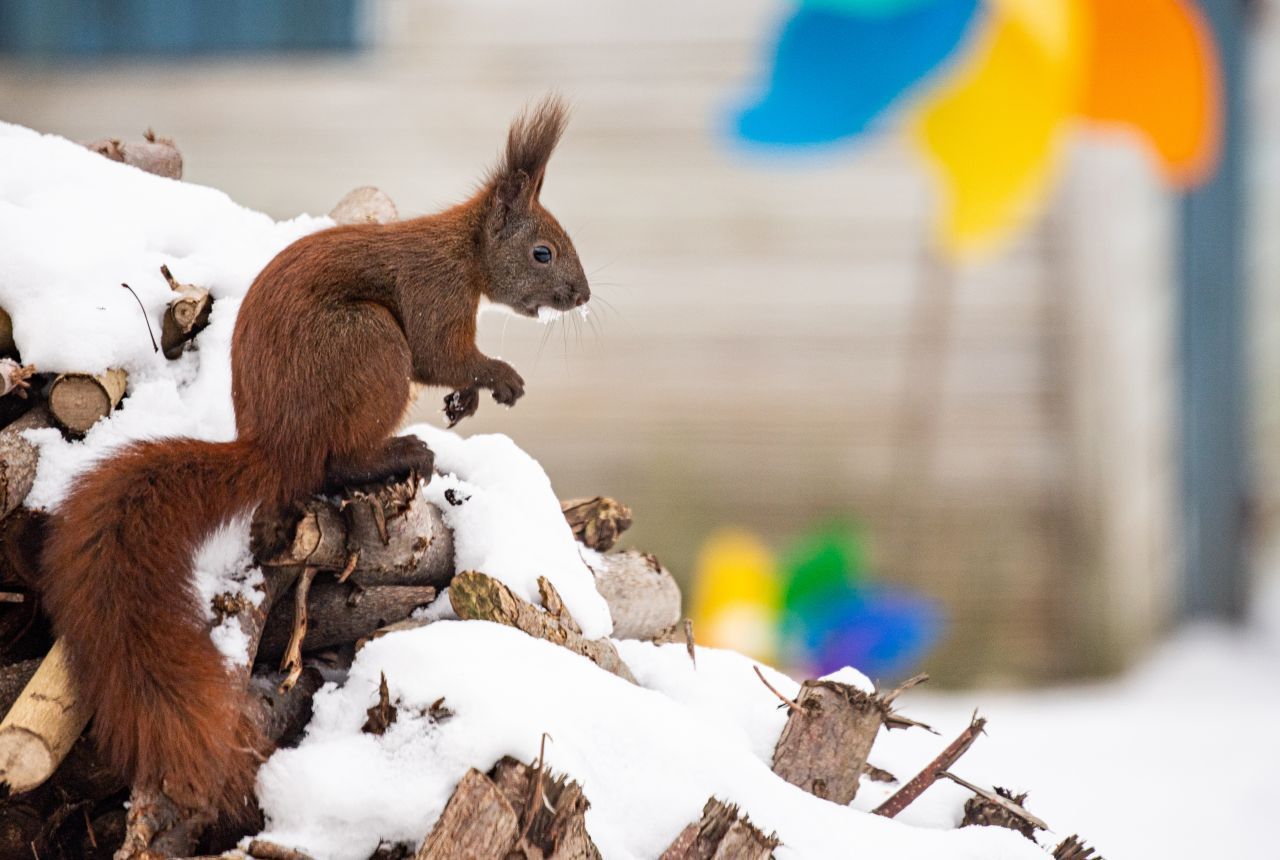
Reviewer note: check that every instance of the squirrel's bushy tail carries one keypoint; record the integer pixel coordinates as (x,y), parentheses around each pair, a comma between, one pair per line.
(117,582)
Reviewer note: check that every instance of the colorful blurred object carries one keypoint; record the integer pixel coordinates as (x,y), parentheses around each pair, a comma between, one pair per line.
(817,611)
(735,601)
(999,86)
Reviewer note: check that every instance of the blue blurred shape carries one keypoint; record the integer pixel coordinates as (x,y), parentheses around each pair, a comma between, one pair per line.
(834,72)
(97,28)
(880,631)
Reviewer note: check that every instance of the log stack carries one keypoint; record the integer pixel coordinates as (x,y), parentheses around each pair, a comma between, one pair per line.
(338,571)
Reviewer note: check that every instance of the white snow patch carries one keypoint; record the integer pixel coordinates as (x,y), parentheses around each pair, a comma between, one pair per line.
(647,762)
(851,677)
(507,522)
(548,315)
(224,565)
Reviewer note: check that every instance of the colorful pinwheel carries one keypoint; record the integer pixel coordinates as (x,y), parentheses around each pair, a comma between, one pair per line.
(815,611)
(992,88)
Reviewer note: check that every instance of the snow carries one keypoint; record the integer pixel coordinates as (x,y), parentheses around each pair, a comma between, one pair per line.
(224,565)
(75,226)
(646,761)
(506,522)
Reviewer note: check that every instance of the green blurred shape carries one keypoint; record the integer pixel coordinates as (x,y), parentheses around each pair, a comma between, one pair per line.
(826,563)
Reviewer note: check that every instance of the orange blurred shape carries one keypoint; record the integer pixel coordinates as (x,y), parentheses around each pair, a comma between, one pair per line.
(1152,65)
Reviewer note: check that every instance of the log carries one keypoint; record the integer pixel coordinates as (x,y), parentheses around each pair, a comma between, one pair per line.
(77,401)
(158,155)
(824,745)
(722,834)
(263,850)
(478,597)
(7,345)
(284,715)
(552,811)
(364,205)
(643,597)
(18,459)
(478,822)
(597,521)
(41,726)
(395,536)
(186,315)
(339,612)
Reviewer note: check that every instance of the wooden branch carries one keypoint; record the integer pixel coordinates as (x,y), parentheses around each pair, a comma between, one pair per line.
(158,155)
(263,850)
(338,613)
(643,597)
(364,205)
(478,822)
(77,401)
(722,834)
(42,724)
(186,315)
(19,458)
(291,663)
(903,797)
(598,521)
(476,596)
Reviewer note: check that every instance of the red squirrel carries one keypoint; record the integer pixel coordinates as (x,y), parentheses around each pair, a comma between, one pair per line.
(327,342)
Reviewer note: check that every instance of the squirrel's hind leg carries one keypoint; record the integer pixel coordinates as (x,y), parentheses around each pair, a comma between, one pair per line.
(397,458)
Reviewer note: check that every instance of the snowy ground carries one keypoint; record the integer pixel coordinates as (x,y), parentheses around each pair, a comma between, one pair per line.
(1167,763)
(1176,760)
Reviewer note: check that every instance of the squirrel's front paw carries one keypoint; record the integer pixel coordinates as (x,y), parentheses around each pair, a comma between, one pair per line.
(461,403)
(507,385)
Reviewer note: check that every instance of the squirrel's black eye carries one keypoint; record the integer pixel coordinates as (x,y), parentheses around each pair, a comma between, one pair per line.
(542,254)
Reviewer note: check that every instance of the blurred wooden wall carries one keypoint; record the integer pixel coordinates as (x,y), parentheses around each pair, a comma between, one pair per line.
(772,343)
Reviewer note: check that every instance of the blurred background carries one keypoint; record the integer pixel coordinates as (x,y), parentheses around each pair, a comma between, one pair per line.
(909,346)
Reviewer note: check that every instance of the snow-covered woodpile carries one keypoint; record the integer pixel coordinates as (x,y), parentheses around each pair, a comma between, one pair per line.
(461,667)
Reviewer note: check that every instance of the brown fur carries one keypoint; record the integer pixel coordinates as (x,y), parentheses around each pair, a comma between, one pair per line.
(326,343)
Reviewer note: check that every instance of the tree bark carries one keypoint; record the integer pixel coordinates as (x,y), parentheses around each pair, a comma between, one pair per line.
(186,315)
(552,812)
(722,834)
(77,401)
(476,596)
(18,459)
(643,597)
(364,205)
(597,521)
(158,155)
(340,612)
(42,724)
(478,822)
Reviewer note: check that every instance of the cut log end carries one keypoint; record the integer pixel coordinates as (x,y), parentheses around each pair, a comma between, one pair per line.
(77,401)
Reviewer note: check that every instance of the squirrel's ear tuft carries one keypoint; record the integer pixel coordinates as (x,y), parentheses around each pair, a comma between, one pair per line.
(533,137)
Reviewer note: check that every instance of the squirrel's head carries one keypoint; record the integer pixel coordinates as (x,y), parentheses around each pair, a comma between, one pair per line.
(530,261)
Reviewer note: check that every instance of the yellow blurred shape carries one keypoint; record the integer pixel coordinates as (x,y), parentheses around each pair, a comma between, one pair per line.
(1152,66)
(735,603)
(994,129)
